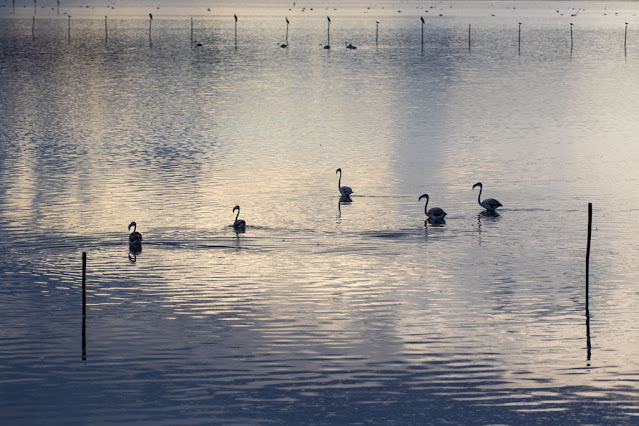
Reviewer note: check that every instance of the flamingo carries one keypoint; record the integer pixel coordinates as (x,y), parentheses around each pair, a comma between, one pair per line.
(489,204)
(239,224)
(135,238)
(346,191)
(435,214)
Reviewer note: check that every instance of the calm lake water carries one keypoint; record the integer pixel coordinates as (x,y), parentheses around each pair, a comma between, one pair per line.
(321,312)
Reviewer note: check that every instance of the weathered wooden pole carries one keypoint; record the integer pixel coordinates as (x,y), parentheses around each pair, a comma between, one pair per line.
(33,28)
(588,253)
(58,7)
(69,29)
(150,24)
(376,33)
(328,34)
(106,30)
(235,16)
(84,305)
(191,31)
(519,40)
(587,280)
(423,22)
(571,37)
(625,41)
(287,24)
(469,37)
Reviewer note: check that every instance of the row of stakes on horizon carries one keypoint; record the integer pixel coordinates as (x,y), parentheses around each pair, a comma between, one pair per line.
(435,215)
(328,39)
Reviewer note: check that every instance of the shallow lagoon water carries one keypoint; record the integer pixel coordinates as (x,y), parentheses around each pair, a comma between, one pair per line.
(321,312)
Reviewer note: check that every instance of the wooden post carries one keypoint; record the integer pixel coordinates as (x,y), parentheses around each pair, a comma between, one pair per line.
(423,22)
(33,28)
(519,40)
(328,34)
(588,252)
(191,31)
(84,304)
(235,16)
(571,37)
(469,37)
(376,33)
(69,29)
(58,7)
(625,41)
(587,281)
(106,30)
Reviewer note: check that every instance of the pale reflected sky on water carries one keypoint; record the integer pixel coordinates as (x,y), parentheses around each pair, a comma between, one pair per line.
(321,311)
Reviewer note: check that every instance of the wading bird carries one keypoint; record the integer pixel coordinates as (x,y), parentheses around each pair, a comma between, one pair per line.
(489,204)
(239,224)
(346,191)
(435,214)
(135,238)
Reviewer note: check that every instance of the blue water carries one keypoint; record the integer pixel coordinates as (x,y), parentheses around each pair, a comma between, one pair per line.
(322,311)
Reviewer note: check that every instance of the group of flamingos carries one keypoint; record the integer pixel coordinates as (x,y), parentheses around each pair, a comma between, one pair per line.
(435,214)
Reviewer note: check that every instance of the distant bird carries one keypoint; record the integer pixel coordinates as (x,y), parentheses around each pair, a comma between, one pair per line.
(135,238)
(350,46)
(239,224)
(346,191)
(435,214)
(489,204)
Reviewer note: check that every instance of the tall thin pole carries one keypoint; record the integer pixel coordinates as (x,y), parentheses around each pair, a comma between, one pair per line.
(571,37)
(191,30)
(625,41)
(587,279)
(423,22)
(376,33)
(519,40)
(469,37)
(33,28)
(106,30)
(84,304)
(235,16)
(34,7)
(588,252)
(69,29)
(328,34)
(150,24)
(58,7)
(287,23)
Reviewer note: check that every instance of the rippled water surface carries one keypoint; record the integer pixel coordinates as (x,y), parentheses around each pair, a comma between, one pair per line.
(322,311)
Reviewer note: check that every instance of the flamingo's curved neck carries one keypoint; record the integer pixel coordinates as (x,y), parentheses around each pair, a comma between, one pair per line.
(134,227)
(479,196)
(237,215)
(426,207)
(339,182)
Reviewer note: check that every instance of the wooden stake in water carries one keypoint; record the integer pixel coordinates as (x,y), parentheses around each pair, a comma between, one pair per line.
(34,7)
(84,284)
(106,30)
(625,41)
(69,29)
(328,34)
(571,37)
(423,22)
(234,15)
(191,31)
(469,37)
(150,23)
(376,33)
(33,28)
(58,7)
(519,40)
(588,252)
(587,278)
(84,305)
(287,24)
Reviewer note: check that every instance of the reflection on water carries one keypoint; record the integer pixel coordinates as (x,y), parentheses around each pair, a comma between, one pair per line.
(360,314)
